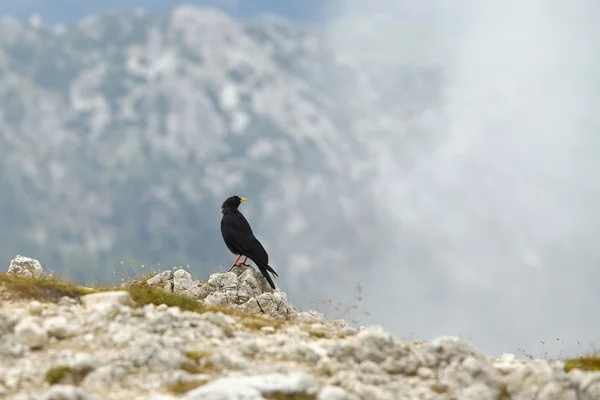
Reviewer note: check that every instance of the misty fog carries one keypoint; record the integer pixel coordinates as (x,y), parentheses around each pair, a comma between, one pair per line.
(496,222)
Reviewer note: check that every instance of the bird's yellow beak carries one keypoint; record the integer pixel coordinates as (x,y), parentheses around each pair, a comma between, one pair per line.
(243,199)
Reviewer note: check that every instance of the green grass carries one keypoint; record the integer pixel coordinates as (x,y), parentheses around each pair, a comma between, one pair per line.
(198,363)
(57,374)
(143,295)
(588,361)
(585,363)
(184,387)
(52,289)
(290,396)
(65,374)
(197,355)
(42,289)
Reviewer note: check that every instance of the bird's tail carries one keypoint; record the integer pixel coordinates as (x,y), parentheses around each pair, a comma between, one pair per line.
(264,270)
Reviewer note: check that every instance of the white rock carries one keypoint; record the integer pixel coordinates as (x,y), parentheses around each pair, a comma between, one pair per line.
(507,357)
(425,373)
(182,280)
(104,377)
(161,396)
(35,307)
(555,391)
(26,267)
(289,384)
(223,393)
(30,333)
(67,392)
(589,387)
(103,300)
(163,280)
(310,317)
(335,393)
(58,327)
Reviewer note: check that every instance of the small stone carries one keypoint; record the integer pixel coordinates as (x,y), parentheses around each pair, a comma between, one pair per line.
(425,373)
(286,384)
(67,301)
(26,267)
(182,280)
(335,393)
(67,392)
(223,393)
(107,299)
(163,280)
(58,327)
(589,386)
(35,307)
(30,333)
(310,317)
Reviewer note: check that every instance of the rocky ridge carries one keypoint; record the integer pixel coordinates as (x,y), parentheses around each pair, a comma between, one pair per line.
(245,341)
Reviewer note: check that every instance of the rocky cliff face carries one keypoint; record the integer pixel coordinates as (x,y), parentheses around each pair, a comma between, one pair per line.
(232,337)
(124,133)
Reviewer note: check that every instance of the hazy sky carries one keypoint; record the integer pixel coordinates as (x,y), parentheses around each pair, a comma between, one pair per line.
(503,211)
(67,11)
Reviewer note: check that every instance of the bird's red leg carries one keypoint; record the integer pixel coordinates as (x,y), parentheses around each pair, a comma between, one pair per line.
(244,262)
(235,262)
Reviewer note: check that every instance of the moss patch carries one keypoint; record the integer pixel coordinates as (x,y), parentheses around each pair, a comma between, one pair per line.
(56,374)
(583,363)
(66,375)
(42,289)
(205,367)
(184,387)
(143,295)
(197,355)
(256,322)
(198,363)
(290,396)
(318,334)
(439,388)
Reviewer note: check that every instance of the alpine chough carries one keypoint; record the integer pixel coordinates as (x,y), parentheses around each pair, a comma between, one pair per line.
(240,240)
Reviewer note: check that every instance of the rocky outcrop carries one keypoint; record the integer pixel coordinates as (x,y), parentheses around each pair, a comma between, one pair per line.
(243,288)
(104,346)
(24,266)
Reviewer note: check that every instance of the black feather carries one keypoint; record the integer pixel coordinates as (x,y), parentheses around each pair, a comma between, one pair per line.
(240,239)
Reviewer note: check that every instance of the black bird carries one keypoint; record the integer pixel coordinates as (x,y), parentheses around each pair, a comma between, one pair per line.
(240,240)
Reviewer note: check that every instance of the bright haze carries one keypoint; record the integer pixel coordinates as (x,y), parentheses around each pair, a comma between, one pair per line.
(495,219)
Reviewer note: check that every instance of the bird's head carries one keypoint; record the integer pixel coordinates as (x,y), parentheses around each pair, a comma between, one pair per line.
(233,202)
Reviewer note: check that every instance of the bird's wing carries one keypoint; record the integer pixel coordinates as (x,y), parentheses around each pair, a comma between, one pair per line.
(235,228)
(239,223)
